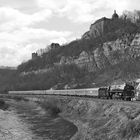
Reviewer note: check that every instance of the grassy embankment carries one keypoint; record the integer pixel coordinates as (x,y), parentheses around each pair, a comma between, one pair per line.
(98,120)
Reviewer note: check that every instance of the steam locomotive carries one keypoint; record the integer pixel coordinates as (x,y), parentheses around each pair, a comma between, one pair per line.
(128,93)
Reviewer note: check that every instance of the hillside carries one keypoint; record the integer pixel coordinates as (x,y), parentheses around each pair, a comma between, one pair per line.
(109,51)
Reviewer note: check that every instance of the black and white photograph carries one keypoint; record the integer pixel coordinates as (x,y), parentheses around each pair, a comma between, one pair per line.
(69,70)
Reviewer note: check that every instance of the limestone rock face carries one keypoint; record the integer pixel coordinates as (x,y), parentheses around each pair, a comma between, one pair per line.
(119,50)
(66,60)
(114,51)
(100,58)
(86,60)
(100,27)
(135,47)
(83,60)
(110,53)
(136,40)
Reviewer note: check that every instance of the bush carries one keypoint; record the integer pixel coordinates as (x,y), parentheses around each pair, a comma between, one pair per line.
(130,130)
(51,106)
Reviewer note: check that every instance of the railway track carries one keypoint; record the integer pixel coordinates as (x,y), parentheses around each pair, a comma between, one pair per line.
(65,97)
(95,98)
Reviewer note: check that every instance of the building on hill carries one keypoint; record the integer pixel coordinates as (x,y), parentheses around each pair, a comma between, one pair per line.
(54,45)
(34,56)
(100,27)
(40,52)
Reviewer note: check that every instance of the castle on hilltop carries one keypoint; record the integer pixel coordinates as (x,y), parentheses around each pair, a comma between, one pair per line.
(99,27)
(40,52)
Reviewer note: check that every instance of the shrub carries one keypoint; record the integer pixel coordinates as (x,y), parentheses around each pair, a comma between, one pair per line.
(130,130)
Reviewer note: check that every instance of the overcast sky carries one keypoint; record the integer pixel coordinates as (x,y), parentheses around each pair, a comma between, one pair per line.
(27,25)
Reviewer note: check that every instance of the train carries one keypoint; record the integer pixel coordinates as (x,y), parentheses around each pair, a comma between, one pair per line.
(126,92)
(102,92)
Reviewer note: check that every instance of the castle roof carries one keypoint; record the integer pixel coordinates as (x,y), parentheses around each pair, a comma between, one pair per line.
(114,16)
(100,20)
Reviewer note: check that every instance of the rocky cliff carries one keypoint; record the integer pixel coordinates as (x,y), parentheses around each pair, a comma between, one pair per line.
(120,50)
(111,53)
(114,52)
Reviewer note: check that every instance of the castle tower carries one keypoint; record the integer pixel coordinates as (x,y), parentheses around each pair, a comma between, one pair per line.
(34,56)
(115,15)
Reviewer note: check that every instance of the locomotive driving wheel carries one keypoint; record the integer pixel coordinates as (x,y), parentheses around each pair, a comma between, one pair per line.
(113,96)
